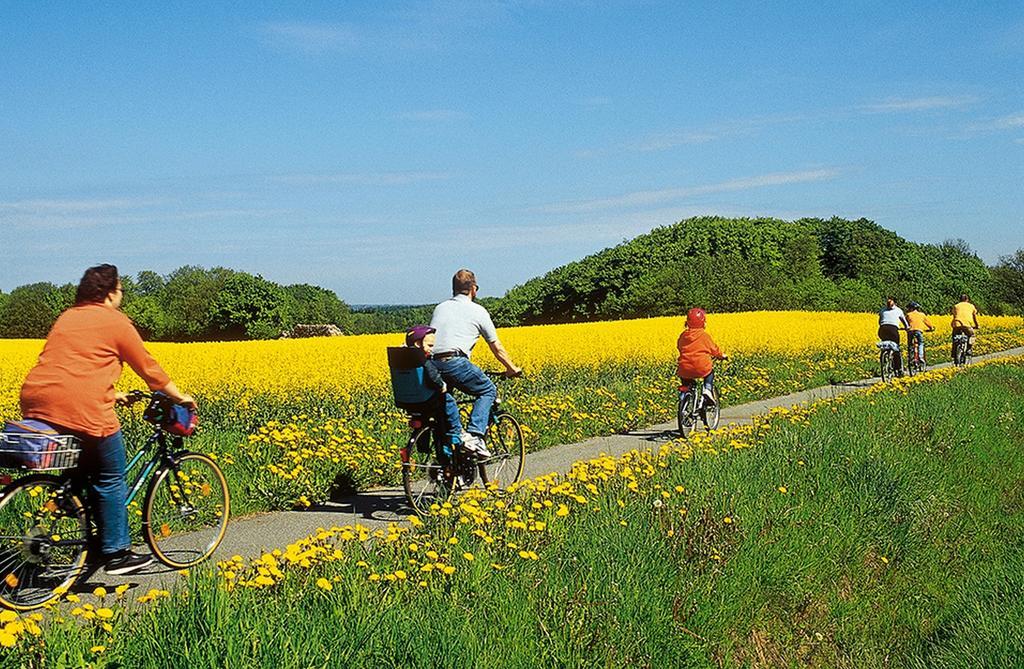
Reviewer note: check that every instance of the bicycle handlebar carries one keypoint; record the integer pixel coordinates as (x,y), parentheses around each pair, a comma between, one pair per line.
(136,396)
(503,375)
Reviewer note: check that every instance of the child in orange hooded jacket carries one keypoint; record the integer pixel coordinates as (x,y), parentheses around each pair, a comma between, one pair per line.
(696,351)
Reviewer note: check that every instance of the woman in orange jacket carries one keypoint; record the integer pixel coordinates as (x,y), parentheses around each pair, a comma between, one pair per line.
(696,351)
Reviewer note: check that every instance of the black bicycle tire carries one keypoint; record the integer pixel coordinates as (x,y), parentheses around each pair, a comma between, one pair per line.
(497,446)
(7,495)
(413,473)
(885,369)
(686,416)
(716,408)
(161,475)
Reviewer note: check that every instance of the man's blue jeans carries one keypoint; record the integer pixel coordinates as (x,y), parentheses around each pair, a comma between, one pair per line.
(103,465)
(462,374)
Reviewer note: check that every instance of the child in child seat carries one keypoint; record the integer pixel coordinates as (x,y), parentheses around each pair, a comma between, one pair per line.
(422,337)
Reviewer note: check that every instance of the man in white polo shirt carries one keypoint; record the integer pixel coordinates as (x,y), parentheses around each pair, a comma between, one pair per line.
(459,322)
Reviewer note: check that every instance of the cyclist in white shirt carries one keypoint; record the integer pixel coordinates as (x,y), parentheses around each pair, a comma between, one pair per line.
(891,320)
(459,323)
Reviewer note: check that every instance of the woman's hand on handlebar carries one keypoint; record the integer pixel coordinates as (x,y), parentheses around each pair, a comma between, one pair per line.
(179,397)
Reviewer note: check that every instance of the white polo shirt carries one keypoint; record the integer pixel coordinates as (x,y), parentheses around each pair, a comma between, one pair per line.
(459,321)
(894,316)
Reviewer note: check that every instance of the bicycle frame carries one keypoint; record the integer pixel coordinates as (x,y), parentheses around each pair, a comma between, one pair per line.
(162,454)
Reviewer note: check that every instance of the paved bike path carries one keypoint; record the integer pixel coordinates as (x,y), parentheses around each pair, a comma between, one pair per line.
(251,536)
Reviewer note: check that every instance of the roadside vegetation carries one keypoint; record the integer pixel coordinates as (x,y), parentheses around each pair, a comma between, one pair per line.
(878,529)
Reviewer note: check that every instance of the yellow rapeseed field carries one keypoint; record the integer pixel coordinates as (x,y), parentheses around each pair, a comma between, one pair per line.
(349,364)
(298,414)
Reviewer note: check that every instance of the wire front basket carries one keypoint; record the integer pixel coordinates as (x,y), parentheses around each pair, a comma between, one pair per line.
(39,452)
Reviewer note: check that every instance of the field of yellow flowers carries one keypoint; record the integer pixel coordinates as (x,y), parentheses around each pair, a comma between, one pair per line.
(805,535)
(292,419)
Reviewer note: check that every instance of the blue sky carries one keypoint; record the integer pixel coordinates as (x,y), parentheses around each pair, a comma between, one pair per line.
(375,148)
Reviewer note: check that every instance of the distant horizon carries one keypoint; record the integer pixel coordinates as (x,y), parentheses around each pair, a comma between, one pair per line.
(445,290)
(336,143)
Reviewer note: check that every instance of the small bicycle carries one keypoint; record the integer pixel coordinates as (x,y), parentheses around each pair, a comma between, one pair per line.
(915,363)
(46,532)
(427,482)
(692,407)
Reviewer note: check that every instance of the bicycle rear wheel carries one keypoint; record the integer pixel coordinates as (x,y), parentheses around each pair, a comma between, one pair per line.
(508,452)
(686,414)
(885,365)
(425,482)
(43,541)
(185,512)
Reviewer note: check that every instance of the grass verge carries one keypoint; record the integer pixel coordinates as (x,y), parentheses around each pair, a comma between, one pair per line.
(882,529)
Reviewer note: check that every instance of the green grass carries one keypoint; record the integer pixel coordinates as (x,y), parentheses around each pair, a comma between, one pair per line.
(897,542)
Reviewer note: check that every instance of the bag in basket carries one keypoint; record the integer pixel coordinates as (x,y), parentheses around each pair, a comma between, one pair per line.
(28,443)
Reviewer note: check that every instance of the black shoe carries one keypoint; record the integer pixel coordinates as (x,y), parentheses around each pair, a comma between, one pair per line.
(126,562)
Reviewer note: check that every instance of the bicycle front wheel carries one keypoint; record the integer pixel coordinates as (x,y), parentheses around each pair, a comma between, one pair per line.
(508,452)
(425,482)
(43,541)
(712,415)
(185,512)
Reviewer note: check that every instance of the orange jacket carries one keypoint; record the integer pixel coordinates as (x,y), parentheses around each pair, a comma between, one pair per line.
(696,349)
(72,385)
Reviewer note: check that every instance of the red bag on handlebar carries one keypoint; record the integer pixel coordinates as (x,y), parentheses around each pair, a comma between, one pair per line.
(173,418)
(183,421)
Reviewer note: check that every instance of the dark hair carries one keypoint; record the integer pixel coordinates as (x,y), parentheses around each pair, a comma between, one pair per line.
(462,282)
(963,297)
(96,284)
(890,297)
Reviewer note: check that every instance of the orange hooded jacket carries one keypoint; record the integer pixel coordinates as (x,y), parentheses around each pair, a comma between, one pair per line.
(696,349)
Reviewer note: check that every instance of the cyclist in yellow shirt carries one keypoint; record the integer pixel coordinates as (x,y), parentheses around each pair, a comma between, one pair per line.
(918,324)
(965,320)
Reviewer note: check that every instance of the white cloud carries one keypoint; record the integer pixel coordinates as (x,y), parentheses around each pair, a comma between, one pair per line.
(362,178)
(426,26)
(70,207)
(433,115)
(651,197)
(314,37)
(918,104)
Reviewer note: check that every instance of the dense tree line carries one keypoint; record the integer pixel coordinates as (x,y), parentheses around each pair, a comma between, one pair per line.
(189,304)
(746,264)
(719,264)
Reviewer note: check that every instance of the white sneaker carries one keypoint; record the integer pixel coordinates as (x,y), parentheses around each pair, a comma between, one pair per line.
(475,445)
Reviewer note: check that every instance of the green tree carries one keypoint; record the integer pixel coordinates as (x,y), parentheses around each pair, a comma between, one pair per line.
(187,302)
(314,305)
(1008,280)
(29,311)
(250,307)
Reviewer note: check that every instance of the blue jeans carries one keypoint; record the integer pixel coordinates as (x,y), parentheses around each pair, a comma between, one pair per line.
(462,374)
(917,340)
(452,428)
(709,384)
(103,464)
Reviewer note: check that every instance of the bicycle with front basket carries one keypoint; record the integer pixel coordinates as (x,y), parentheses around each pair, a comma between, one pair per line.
(427,482)
(46,532)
